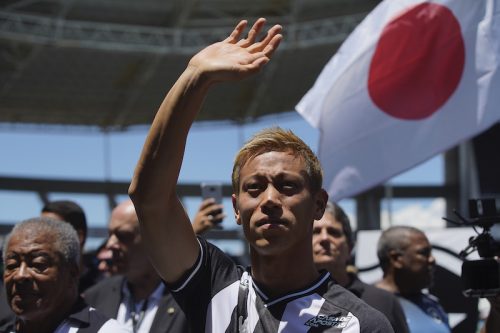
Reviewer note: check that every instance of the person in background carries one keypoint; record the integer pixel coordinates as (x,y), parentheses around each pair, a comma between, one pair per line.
(73,214)
(209,214)
(333,242)
(277,193)
(104,259)
(407,263)
(42,260)
(135,295)
(70,212)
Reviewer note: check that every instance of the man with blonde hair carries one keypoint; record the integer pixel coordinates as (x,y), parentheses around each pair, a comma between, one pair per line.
(277,196)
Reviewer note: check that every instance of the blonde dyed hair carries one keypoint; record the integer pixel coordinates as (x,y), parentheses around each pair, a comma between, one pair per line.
(280,140)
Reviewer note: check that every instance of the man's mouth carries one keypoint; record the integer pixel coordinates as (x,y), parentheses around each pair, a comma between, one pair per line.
(270,222)
(21,295)
(324,252)
(116,257)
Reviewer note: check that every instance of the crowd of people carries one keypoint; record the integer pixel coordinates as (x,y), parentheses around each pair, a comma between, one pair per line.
(156,272)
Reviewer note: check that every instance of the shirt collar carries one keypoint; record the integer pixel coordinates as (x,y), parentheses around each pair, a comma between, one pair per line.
(324,277)
(155,296)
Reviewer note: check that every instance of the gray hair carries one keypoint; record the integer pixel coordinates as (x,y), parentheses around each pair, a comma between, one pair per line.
(66,238)
(394,238)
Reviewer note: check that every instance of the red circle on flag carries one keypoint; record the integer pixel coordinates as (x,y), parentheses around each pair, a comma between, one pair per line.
(418,62)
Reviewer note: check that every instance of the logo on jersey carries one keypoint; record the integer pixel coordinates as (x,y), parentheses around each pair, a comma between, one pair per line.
(328,321)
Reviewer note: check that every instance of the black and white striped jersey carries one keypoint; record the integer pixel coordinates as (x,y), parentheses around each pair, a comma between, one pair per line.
(218,296)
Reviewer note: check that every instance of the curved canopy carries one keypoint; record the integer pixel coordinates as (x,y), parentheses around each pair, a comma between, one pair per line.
(108,63)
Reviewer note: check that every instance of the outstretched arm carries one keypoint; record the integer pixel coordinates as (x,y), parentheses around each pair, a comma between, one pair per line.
(166,229)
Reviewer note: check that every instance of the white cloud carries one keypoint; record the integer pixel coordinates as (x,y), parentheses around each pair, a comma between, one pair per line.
(416,214)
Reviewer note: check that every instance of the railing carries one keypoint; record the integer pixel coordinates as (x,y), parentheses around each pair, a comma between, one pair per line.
(111,36)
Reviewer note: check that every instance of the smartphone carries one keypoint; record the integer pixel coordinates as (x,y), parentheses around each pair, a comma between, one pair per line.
(212,190)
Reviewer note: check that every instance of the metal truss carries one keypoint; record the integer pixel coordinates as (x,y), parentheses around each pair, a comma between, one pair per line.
(368,202)
(111,189)
(109,36)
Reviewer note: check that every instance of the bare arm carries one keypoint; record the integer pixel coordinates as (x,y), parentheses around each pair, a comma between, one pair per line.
(165,226)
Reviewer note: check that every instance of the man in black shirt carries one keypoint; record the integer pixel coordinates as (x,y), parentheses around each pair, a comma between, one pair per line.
(277,186)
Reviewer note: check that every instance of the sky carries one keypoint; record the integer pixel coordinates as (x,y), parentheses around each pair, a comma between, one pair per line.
(68,153)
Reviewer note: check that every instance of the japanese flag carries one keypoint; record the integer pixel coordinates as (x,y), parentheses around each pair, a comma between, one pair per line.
(414,79)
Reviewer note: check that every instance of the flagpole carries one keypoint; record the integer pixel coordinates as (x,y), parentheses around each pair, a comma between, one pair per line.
(388,193)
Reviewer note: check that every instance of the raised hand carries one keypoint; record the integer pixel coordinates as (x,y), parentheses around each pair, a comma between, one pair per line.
(235,57)
(164,224)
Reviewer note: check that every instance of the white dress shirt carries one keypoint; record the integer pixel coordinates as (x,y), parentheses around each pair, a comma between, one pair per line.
(144,311)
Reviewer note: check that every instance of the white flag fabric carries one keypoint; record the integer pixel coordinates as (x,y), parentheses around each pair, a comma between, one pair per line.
(413,79)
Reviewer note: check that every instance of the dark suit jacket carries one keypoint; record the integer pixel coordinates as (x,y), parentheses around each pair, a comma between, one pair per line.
(106,297)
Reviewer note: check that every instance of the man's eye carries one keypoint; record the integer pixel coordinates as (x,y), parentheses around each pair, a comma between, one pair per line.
(253,187)
(426,252)
(125,237)
(289,186)
(39,267)
(11,264)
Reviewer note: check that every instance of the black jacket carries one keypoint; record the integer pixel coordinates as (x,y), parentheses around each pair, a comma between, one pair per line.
(106,297)
(381,300)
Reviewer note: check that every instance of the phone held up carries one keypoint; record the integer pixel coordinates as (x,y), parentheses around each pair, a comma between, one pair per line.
(212,190)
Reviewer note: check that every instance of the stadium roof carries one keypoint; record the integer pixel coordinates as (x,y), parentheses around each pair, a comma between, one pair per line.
(108,63)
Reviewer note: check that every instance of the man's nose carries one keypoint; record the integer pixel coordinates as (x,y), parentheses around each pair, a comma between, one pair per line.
(112,242)
(271,205)
(324,235)
(432,260)
(271,195)
(22,273)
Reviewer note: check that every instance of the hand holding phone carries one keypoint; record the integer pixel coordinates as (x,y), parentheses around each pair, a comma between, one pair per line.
(210,214)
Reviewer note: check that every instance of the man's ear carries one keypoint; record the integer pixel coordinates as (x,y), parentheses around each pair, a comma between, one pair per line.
(234,199)
(81,238)
(396,258)
(351,249)
(320,200)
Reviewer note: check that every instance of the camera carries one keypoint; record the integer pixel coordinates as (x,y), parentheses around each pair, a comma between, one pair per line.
(481,278)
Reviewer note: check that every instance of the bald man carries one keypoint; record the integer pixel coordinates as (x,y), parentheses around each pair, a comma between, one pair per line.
(136,297)
(405,256)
